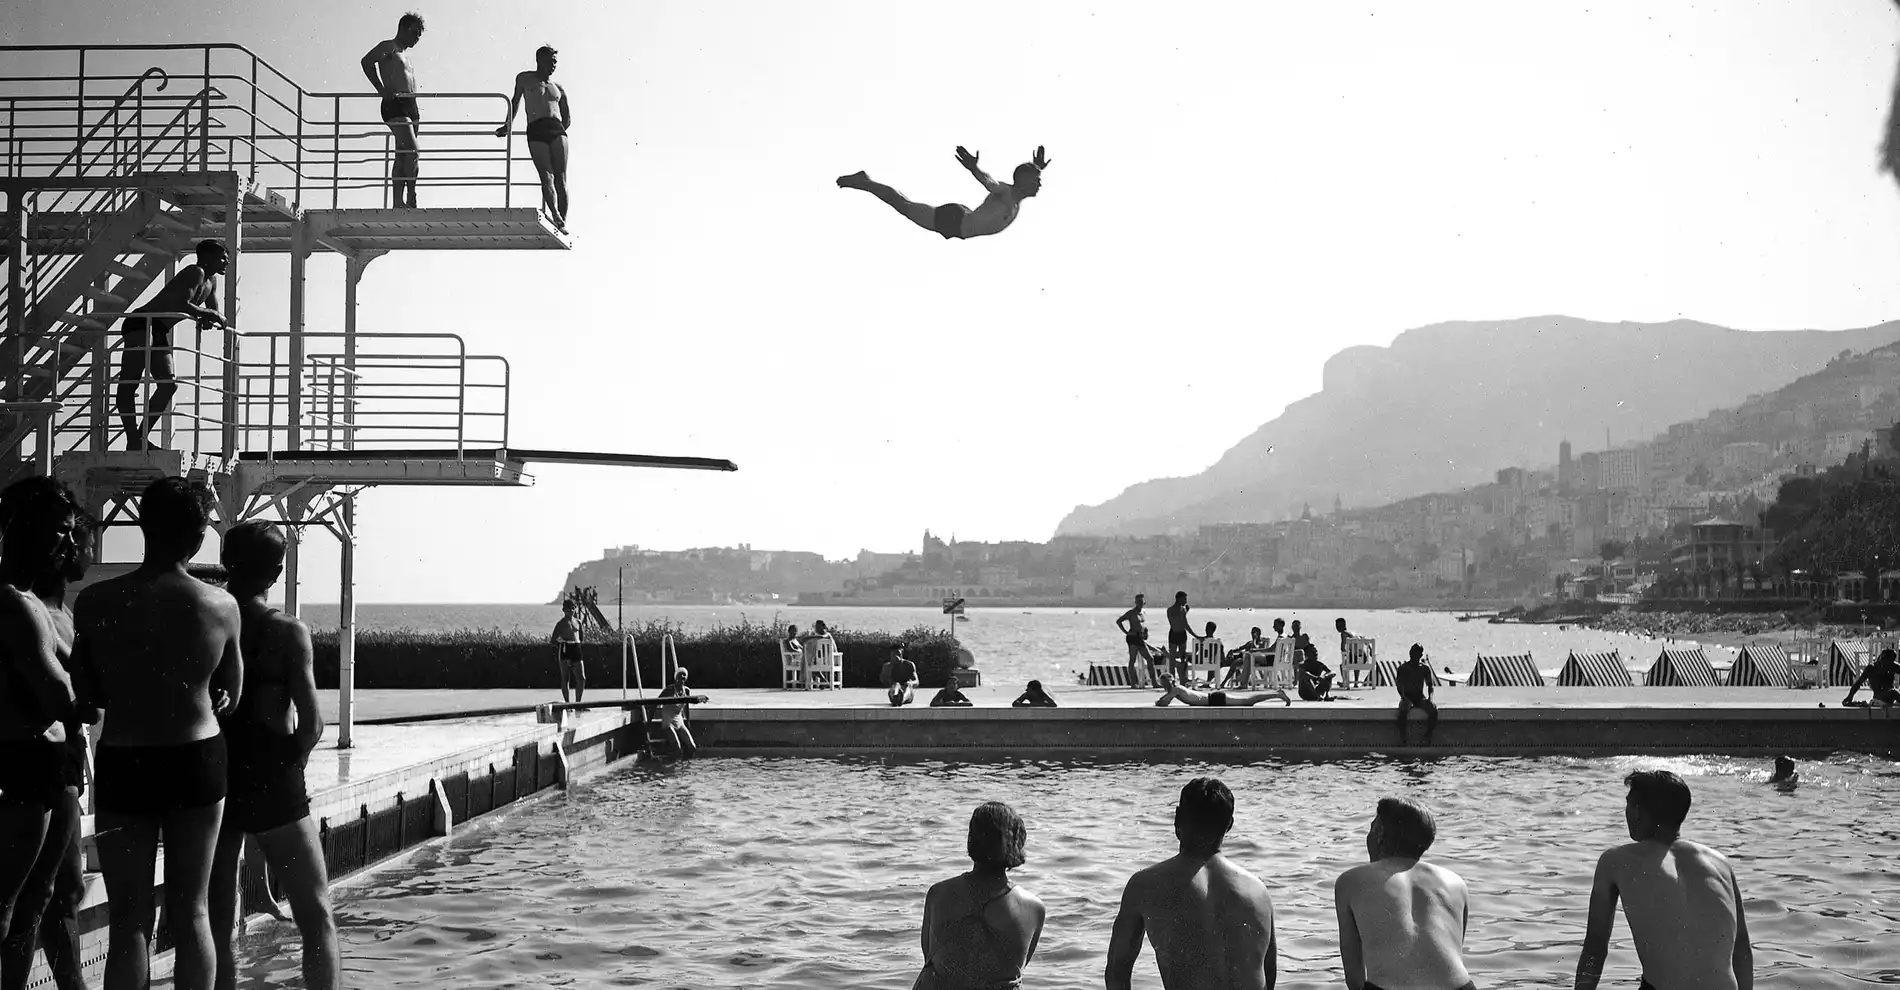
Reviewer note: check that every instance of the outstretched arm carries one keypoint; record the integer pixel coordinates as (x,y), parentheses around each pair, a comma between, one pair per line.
(1855,687)
(967,159)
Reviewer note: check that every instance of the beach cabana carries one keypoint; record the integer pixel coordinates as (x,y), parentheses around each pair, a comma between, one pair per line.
(1761,665)
(1108,675)
(1681,667)
(1595,670)
(1513,670)
(1845,659)
(1385,673)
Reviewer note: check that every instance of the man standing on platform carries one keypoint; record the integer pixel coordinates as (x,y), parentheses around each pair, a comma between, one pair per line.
(1135,630)
(547,131)
(1178,634)
(148,339)
(394,79)
(568,653)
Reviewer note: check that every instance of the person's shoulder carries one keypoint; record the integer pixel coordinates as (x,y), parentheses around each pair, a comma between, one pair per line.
(1699,850)
(17,605)
(284,626)
(1615,858)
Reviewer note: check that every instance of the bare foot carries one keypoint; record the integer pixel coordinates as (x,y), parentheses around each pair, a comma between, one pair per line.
(855,180)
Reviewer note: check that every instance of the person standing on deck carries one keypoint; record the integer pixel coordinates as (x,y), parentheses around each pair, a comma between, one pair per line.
(547,133)
(37,519)
(148,339)
(1178,633)
(1401,920)
(394,79)
(1211,922)
(979,929)
(1135,630)
(158,650)
(271,733)
(1680,898)
(568,652)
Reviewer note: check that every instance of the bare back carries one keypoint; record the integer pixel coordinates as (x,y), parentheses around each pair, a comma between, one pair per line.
(1406,920)
(1210,922)
(978,937)
(153,640)
(1681,901)
(270,646)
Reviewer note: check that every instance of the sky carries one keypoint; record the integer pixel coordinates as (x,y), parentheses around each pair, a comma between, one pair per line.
(1238,191)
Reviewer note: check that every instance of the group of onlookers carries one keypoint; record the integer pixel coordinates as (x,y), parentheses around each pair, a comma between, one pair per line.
(209,708)
(1313,680)
(1402,921)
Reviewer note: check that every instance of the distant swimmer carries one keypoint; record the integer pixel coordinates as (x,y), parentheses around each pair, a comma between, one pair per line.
(394,79)
(673,717)
(1879,678)
(980,930)
(1414,681)
(547,133)
(1210,922)
(271,732)
(951,696)
(1785,772)
(148,339)
(1680,898)
(1402,920)
(161,650)
(953,220)
(1033,696)
(1135,631)
(569,654)
(1173,691)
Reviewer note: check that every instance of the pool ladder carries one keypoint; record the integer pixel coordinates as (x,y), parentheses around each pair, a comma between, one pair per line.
(652,730)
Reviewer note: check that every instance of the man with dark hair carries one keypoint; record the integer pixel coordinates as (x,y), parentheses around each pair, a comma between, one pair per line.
(903,678)
(547,133)
(1178,633)
(1315,679)
(979,929)
(954,220)
(1879,678)
(160,650)
(1414,681)
(1210,921)
(394,79)
(148,339)
(569,654)
(1135,630)
(1680,898)
(271,733)
(1174,691)
(1237,665)
(1033,696)
(1401,920)
(38,807)
(951,695)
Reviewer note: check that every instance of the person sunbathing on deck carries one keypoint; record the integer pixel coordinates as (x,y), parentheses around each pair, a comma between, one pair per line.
(979,929)
(1212,699)
(954,220)
(1033,696)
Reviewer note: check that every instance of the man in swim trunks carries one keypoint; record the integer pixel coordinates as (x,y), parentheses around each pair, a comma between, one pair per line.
(394,79)
(1401,920)
(1210,922)
(148,339)
(547,133)
(1414,681)
(980,930)
(271,732)
(54,892)
(568,651)
(1237,666)
(954,220)
(673,717)
(1135,630)
(1879,677)
(1680,898)
(1173,691)
(158,648)
(903,678)
(1178,633)
(37,518)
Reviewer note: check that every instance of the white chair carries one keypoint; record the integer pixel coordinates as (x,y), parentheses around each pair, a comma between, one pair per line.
(792,666)
(1356,663)
(1204,663)
(824,664)
(1283,673)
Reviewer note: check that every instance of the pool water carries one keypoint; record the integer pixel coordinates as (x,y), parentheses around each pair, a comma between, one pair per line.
(799,872)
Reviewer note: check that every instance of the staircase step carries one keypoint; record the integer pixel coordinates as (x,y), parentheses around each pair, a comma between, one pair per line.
(177,222)
(127,271)
(104,298)
(84,321)
(142,246)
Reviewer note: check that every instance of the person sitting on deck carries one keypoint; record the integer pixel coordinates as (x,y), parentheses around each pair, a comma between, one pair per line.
(673,717)
(1315,679)
(1879,678)
(1212,699)
(148,339)
(1033,696)
(953,220)
(951,696)
(1237,666)
(1680,898)
(903,678)
(547,132)
(1401,920)
(1414,681)
(568,655)
(979,929)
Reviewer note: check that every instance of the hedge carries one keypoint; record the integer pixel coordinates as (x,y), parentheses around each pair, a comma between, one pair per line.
(741,656)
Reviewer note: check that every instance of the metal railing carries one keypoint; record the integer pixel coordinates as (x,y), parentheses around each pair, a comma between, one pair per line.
(321,150)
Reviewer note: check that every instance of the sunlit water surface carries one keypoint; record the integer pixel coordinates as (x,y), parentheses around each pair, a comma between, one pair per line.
(810,873)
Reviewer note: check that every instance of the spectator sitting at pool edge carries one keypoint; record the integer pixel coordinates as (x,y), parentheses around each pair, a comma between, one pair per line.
(1033,696)
(673,717)
(951,696)
(903,678)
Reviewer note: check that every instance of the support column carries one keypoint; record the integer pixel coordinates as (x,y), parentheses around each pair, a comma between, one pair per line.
(233,245)
(293,378)
(346,628)
(16,283)
(293,543)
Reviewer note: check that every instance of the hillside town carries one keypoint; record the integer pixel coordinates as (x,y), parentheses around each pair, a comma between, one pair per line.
(1684,506)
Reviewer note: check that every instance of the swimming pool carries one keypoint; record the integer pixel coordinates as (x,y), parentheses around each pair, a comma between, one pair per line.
(799,872)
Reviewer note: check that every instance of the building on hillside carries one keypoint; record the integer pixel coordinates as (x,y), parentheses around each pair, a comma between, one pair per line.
(1514,479)
(1842,443)
(1626,469)
(1746,457)
(1589,472)
(1717,543)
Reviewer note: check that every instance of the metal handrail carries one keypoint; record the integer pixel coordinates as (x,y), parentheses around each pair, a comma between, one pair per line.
(163,80)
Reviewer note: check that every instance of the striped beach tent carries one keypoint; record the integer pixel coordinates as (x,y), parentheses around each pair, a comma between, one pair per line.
(1595,670)
(1385,673)
(1513,670)
(1845,660)
(1681,667)
(1108,675)
(1761,665)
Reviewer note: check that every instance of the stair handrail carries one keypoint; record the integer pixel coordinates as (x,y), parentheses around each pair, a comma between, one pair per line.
(164,79)
(44,413)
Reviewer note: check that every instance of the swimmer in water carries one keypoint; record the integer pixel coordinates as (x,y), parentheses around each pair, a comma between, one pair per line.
(1402,920)
(1785,772)
(673,717)
(1680,898)
(953,220)
(1033,696)
(1212,699)
(980,930)
(951,696)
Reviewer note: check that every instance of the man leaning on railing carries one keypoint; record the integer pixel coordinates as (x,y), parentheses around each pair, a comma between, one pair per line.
(148,339)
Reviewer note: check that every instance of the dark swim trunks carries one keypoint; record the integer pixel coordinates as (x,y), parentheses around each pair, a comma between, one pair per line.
(571,653)
(154,780)
(1217,699)
(267,786)
(1888,697)
(949,220)
(546,130)
(401,108)
(1177,638)
(32,772)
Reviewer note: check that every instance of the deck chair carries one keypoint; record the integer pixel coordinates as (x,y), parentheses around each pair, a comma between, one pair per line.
(1355,664)
(824,664)
(1204,662)
(792,666)
(1283,673)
